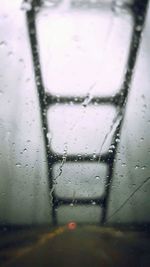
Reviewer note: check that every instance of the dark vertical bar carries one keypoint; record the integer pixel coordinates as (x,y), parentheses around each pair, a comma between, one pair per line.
(110,172)
(139,13)
(139,9)
(41,94)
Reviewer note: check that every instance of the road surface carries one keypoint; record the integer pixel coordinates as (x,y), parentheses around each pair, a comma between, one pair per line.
(86,246)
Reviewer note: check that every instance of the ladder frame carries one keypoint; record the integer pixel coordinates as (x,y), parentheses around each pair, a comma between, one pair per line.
(138,10)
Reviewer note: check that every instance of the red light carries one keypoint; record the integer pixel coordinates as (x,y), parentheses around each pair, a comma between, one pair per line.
(72,225)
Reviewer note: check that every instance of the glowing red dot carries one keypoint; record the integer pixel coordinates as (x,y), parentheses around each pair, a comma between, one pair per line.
(72,225)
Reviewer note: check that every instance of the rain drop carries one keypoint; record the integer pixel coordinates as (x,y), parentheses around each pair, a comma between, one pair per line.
(143,167)
(26,6)
(138,28)
(49,137)
(48,3)
(94,156)
(18,164)
(2,43)
(117,140)
(1,92)
(10,53)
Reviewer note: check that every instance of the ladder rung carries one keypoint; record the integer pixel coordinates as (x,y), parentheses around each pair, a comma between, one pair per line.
(79,201)
(50,100)
(104,158)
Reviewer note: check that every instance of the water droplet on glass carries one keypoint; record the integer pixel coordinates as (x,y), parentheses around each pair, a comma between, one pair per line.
(79,156)
(26,5)
(37,8)
(10,53)
(117,5)
(97,177)
(87,100)
(139,28)
(1,92)
(143,167)
(49,3)
(32,31)
(143,96)
(94,156)
(28,80)
(18,164)
(2,43)
(21,60)
(49,137)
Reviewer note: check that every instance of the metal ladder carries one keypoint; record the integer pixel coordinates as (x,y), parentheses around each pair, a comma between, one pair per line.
(138,10)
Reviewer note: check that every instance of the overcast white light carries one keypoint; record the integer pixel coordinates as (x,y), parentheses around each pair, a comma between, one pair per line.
(83,49)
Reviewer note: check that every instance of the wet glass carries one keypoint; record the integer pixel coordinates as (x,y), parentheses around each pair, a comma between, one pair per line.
(75,126)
